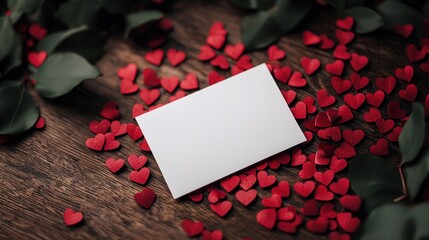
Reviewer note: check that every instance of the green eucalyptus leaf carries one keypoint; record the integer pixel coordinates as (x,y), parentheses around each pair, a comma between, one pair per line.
(412,134)
(375,179)
(7,37)
(366,19)
(264,27)
(354,3)
(27,6)
(75,13)
(254,4)
(420,218)
(18,113)
(416,173)
(117,6)
(61,72)
(53,40)
(396,12)
(137,19)
(14,59)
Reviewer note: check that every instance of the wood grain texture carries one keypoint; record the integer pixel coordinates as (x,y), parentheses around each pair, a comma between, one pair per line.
(47,171)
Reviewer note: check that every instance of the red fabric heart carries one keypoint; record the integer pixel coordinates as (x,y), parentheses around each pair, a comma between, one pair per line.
(247,181)
(220,61)
(341,52)
(138,109)
(165,24)
(394,110)
(310,208)
(333,133)
(218,29)
(358,62)
(351,202)
(234,51)
(339,236)
(345,150)
(96,143)
(297,157)
(286,214)
(354,101)
(327,210)
(71,217)
(37,31)
(322,120)
(191,228)
(128,72)
(37,58)
(347,222)
(322,194)
(99,127)
(340,187)
(309,38)
(310,65)
(137,162)
(216,41)
(304,189)
(246,197)
(134,131)
(155,57)
(413,54)
(409,93)
(283,74)
(190,82)
(309,102)
(394,135)
(283,189)
(320,225)
(300,110)
(337,165)
(175,57)
(140,176)
(344,37)
(110,111)
(386,84)
(384,125)
(321,158)
(308,170)
(178,95)
(296,80)
(150,78)
(358,82)
(290,227)
(274,201)
(221,208)
(345,114)
(213,235)
(265,180)
(335,68)
(353,137)
(111,143)
(274,53)
(289,95)
(425,67)
(206,53)
(170,84)
(375,99)
(230,183)
(404,30)
(128,87)
(267,218)
(372,115)
(145,198)
(324,178)
(244,62)
(345,23)
(405,73)
(149,96)
(325,42)
(40,123)
(215,195)
(381,148)
(114,165)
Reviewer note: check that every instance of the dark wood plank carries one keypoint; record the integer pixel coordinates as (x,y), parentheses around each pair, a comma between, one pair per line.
(47,171)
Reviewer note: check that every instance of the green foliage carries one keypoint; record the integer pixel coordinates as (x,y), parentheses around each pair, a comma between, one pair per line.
(396,12)
(27,6)
(366,19)
(17,108)
(7,37)
(61,72)
(137,19)
(75,13)
(413,134)
(416,173)
(254,4)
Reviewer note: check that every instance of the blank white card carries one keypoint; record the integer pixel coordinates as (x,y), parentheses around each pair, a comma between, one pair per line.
(220,130)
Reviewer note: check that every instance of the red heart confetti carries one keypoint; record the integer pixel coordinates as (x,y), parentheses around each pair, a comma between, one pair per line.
(221,208)
(340,187)
(191,228)
(170,84)
(274,201)
(414,55)
(322,193)
(310,65)
(149,96)
(358,82)
(351,202)
(111,143)
(267,218)
(220,61)
(409,93)
(140,176)
(190,82)
(206,53)
(310,208)
(234,51)
(213,235)
(37,58)
(344,37)
(175,57)
(283,74)
(150,78)
(335,68)
(353,137)
(114,165)
(230,183)
(381,148)
(345,23)
(145,198)
(137,162)
(375,99)
(265,180)
(341,52)
(246,197)
(155,57)
(304,189)
(324,178)
(358,62)
(128,72)
(283,189)
(71,217)
(134,131)
(96,143)
(404,30)
(405,73)
(319,225)
(309,38)
(110,111)
(347,222)
(37,31)
(274,53)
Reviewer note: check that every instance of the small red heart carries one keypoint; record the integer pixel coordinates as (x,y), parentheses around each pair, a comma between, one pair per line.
(149,96)
(230,183)
(190,82)
(386,84)
(170,84)
(345,114)
(321,158)
(175,57)
(353,137)
(128,72)
(215,195)
(327,210)
(384,125)
(140,176)
(214,77)
(178,95)
(289,95)
(322,193)
(150,78)
(347,222)
(246,197)
(274,53)
(96,143)
(236,70)
(138,109)
(206,53)
(37,31)
(41,123)
(340,86)
(102,126)
(310,208)
(335,68)
(213,235)
(221,208)
(339,236)
(247,181)
(265,180)
(345,150)
(286,214)
(413,54)
(111,143)
(340,187)
(405,73)
(309,38)
(322,120)
(165,24)
(191,228)
(290,227)
(409,93)
(308,170)
(345,23)
(234,51)
(283,189)
(299,111)
(324,178)
(283,74)
(155,57)
(218,29)
(354,101)
(394,135)
(325,42)
(337,165)
(351,202)
(394,110)
(244,62)
(220,61)
(37,58)
(309,102)
(110,111)
(372,115)
(404,30)
(358,62)
(304,189)
(425,67)
(310,65)
(274,201)
(267,218)
(358,82)
(341,52)
(134,131)
(216,41)
(319,225)
(344,37)
(71,217)
(381,148)
(137,162)
(145,198)
(114,165)
(297,157)
(375,99)
(296,80)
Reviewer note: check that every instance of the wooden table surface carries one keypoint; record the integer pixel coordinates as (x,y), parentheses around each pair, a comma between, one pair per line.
(47,171)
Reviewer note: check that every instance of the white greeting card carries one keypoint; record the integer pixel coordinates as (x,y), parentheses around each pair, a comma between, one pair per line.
(220,130)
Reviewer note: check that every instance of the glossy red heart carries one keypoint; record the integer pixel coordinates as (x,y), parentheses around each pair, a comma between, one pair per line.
(221,208)
(234,51)
(145,198)
(304,189)
(246,197)
(335,68)
(309,65)
(354,101)
(347,222)
(319,225)
(409,93)
(137,162)
(406,73)
(340,187)
(114,165)
(351,202)
(175,57)
(150,78)
(37,58)
(309,38)
(375,99)
(155,57)
(71,217)
(345,23)
(206,53)
(191,228)
(344,37)
(140,176)
(96,143)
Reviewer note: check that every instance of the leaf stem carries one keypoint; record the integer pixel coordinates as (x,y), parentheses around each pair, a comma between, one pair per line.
(404,185)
